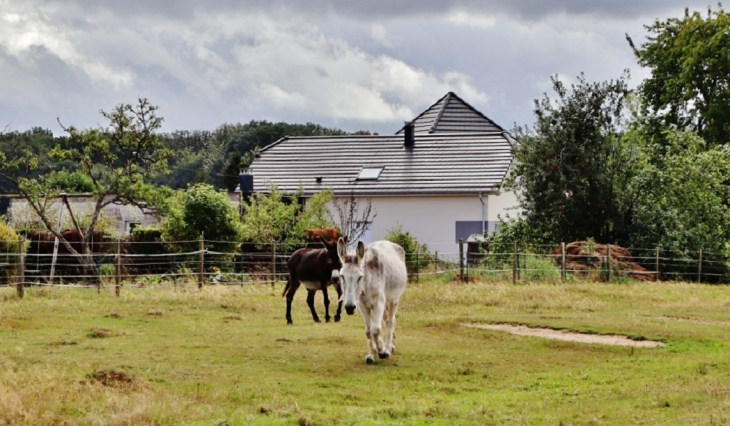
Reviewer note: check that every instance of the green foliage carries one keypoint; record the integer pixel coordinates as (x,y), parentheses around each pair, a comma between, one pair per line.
(512,231)
(537,268)
(571,167)
(70,182)
(680,195)
(689,86)
(9,246)
(202,210)
(417,255)
(280,218)
(119,160)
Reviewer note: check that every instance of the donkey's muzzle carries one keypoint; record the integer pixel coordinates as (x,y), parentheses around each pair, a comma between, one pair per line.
(350,309)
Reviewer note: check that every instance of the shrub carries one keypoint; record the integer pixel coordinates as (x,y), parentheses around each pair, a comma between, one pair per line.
(203,210)
(417,255)
(9,247)
(280,218)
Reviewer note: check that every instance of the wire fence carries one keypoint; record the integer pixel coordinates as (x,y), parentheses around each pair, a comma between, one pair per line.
(149,264)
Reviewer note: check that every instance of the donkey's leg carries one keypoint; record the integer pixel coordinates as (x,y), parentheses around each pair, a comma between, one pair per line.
(372,348)
(338,289)
(310,302)
(292,287)
(326,302)
(376,327)
(390,311)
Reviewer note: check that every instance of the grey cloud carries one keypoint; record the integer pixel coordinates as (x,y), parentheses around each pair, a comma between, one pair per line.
(367,10)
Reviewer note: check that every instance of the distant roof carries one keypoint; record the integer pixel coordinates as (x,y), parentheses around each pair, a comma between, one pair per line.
(439,163)
(451,114)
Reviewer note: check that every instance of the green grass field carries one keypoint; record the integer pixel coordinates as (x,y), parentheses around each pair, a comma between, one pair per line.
(226,356)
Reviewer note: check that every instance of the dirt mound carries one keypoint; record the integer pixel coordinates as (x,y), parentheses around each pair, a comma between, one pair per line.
(584,256)
(111,378)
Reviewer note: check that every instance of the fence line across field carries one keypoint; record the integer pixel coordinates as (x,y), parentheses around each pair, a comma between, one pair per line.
(123,265)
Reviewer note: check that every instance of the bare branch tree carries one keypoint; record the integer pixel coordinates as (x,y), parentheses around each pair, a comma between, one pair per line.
(352,216)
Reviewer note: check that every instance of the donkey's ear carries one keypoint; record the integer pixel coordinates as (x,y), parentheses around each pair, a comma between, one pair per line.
(360,250)
(323,241)
(342,249)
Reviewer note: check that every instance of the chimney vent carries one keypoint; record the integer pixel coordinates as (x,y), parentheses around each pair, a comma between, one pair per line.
(409,136)
(245,181)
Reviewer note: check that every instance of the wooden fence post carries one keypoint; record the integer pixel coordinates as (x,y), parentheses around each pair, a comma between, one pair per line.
(118,277)
(461,259)
(514,264)
(20,284)
(273,264)
(699,268)
(608,263)
(418,264)
(562,262)
(201,261)
(436,263)
(657,263)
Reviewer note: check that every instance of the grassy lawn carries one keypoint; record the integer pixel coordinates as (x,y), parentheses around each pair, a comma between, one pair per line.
(226,356)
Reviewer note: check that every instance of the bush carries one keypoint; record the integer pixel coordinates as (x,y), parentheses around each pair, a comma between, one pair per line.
(203,210)
(9,247)
(417,255)
(279,218)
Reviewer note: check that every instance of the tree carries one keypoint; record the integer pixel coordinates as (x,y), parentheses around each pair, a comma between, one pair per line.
(120,160)
(680,194)
(689,60)
(571,166)
(352,217)
(202,210)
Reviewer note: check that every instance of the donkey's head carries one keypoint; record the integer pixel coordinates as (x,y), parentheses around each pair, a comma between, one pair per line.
(333,259)
(351,274)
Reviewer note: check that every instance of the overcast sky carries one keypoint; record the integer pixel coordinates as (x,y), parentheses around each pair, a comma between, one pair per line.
(355,64)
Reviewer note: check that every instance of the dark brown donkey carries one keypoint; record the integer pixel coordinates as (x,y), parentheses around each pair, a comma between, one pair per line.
(316,269)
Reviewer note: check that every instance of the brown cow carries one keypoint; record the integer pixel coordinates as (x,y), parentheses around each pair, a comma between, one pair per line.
(316,269)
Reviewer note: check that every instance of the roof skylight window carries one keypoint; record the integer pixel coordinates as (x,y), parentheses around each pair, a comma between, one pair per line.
(369,173)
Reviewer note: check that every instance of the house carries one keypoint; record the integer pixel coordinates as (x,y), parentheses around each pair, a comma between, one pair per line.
(438,177)
(123,218)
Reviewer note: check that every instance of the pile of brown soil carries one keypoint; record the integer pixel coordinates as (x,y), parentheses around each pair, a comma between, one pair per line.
(582,257)
(111,378)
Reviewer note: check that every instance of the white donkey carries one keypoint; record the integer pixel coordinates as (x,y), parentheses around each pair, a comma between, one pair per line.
(373,279)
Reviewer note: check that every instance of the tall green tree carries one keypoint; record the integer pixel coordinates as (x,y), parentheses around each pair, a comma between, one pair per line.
(570,167)
(119,160)
(678,195)
(689,87)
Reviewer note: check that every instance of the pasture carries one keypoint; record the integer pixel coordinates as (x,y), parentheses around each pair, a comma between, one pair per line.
(225,355)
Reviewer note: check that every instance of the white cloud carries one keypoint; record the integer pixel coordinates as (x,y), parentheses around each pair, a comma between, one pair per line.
(478,20)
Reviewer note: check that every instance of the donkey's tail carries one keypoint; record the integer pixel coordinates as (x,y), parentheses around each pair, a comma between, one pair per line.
(286,288)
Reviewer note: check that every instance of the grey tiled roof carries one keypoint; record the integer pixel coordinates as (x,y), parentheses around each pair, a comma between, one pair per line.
(451,114)
(457,151)
(439,163)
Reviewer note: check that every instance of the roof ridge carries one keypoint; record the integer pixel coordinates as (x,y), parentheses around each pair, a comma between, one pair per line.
(436,120)
(422,113)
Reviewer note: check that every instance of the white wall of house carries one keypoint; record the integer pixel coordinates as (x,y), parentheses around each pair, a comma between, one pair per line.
(438,220)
